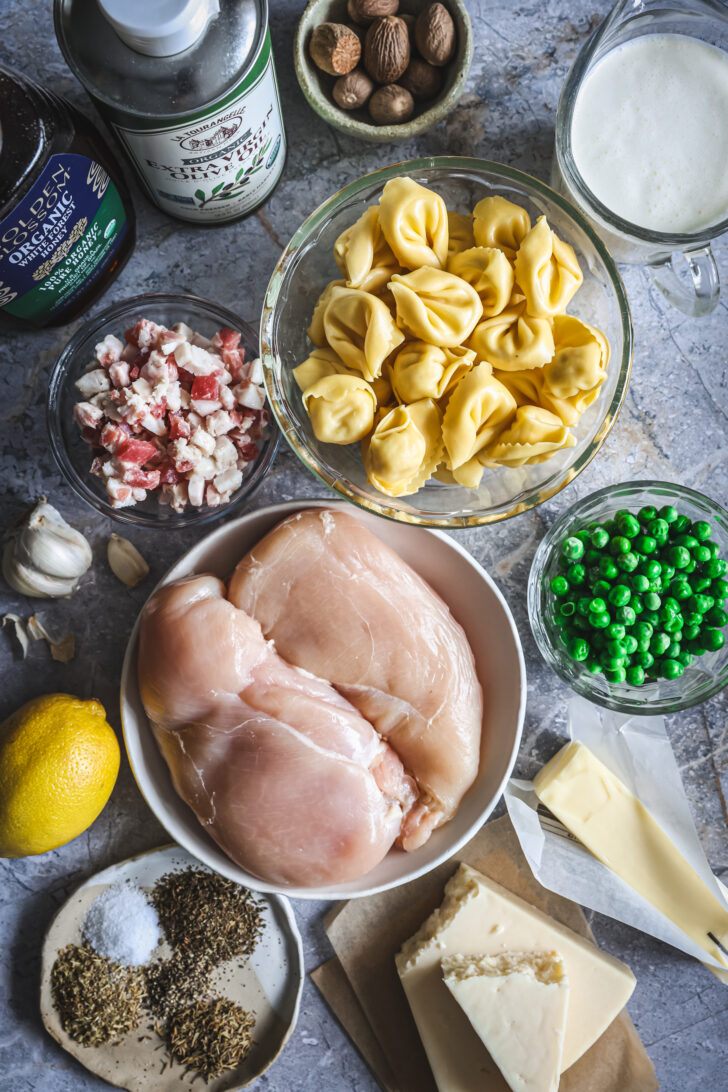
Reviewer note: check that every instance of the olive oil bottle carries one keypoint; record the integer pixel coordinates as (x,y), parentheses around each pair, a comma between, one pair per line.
(66,219)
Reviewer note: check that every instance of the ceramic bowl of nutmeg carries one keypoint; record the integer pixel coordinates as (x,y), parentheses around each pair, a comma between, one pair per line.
(383,70)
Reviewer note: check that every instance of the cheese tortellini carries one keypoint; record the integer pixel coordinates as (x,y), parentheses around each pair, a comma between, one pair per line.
(444,348)
(341,408)
(489,272)
(404,449)
(547,271)
(360,329)
(436,306)
(414,222)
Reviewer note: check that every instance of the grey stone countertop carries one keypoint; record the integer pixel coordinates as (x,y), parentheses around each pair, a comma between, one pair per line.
(672,426)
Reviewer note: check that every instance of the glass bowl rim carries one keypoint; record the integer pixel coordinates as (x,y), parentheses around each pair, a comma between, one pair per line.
(60,374)
(317,218)
(658,707)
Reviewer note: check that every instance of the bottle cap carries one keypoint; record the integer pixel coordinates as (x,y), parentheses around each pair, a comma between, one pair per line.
(159,28)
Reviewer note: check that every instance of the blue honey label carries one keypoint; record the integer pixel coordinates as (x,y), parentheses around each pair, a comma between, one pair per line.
(59,238)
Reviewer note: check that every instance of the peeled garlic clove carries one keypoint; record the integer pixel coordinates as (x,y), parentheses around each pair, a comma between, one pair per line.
(126,562)
(62,648)
(21,633)
(31,582)
(47,543)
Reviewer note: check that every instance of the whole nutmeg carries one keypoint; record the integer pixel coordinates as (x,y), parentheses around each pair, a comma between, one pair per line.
(365,12)
(435,34)
(391,105)
(386,49)
(334,48)
(352,91)
(422,80)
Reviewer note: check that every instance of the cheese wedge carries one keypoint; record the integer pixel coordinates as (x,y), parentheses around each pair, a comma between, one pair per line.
(611,822)
(479,917)
(517,1004)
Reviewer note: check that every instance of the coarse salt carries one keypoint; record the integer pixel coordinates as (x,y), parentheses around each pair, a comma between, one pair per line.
(122,925)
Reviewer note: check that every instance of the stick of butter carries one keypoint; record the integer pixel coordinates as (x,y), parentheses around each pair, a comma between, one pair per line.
(479,917)
(611,822)
(517,1004)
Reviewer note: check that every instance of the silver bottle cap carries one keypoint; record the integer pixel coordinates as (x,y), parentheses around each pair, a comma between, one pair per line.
(159,28)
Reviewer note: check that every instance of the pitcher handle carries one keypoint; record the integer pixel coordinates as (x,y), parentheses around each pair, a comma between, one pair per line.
(697,299)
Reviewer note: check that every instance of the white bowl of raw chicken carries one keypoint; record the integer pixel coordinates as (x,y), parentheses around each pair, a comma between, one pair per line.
(476,604)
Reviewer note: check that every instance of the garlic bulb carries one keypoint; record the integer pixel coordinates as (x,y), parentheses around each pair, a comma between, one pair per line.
(126,562)
(44,556)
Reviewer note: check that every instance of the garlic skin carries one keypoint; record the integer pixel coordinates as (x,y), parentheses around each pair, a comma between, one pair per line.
(126,562)
(44,557)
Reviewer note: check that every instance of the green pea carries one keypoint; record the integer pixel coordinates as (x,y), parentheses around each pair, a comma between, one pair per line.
(572,548)
(612,662)
(647,512)
(591,557)
(619,595)
(678,556)
(626,615)
(599,621)
(702,529)
(702,554)
(700,603)
(630,644)
(713,639)
(685,658)
(715,548)
(599,538)
(680,525)
(668,571)
(559,585)
(646,544)
(652,601)
(635,675)
(688,541)
(583,535)
(593,666)
(567,609)
(639,582)
(697,647)
(582,605)
(581,623)
(643,629)
(659,530)
(620,545)
(659,643)
(651,568)
(691,566)
(579,648)
(576,574)
(673,650)
(628,562)
(716,568)
(637,605)
(671,669)
(616,647)
(674,624)
(719,590)
(628,525)
(656,585)
(699,583)
(598,606)
(607,567)
(644,659)
(679,588)
(716,616)
(692,618)
(652,617)
(643,644)
(689,633)
(668,513)
(615,631)
(601,588)
(615,674)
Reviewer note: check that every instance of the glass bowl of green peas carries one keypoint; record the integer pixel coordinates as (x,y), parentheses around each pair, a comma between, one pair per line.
(627,597)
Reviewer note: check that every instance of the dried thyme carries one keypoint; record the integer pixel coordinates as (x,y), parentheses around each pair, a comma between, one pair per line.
(176,982)
(210,1037)
(206,915)
(97,1000)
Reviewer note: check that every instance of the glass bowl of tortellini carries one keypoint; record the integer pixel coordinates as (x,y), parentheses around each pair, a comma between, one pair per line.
(446,342)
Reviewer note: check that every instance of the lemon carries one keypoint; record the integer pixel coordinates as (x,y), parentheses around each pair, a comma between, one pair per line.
(58,763)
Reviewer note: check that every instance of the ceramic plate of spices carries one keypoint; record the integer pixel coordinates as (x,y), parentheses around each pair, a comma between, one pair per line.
(219,992)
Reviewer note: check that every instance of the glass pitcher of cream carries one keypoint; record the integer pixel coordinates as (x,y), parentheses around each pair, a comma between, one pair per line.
(642,141)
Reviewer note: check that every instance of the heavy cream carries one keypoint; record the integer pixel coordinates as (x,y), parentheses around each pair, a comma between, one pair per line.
(649,132)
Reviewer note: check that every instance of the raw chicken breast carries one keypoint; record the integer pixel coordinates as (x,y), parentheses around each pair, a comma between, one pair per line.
(339,603)
(288,778)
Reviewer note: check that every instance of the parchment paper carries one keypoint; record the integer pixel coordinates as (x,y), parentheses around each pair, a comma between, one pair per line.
(367,933)
(638,751)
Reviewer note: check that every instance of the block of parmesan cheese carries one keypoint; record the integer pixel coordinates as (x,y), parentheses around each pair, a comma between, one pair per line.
(479,917)
(516,1003)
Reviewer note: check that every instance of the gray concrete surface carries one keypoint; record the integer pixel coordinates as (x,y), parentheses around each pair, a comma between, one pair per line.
(673,426)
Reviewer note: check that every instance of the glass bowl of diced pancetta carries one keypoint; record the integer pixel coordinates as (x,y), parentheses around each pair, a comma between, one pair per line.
(157,411)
